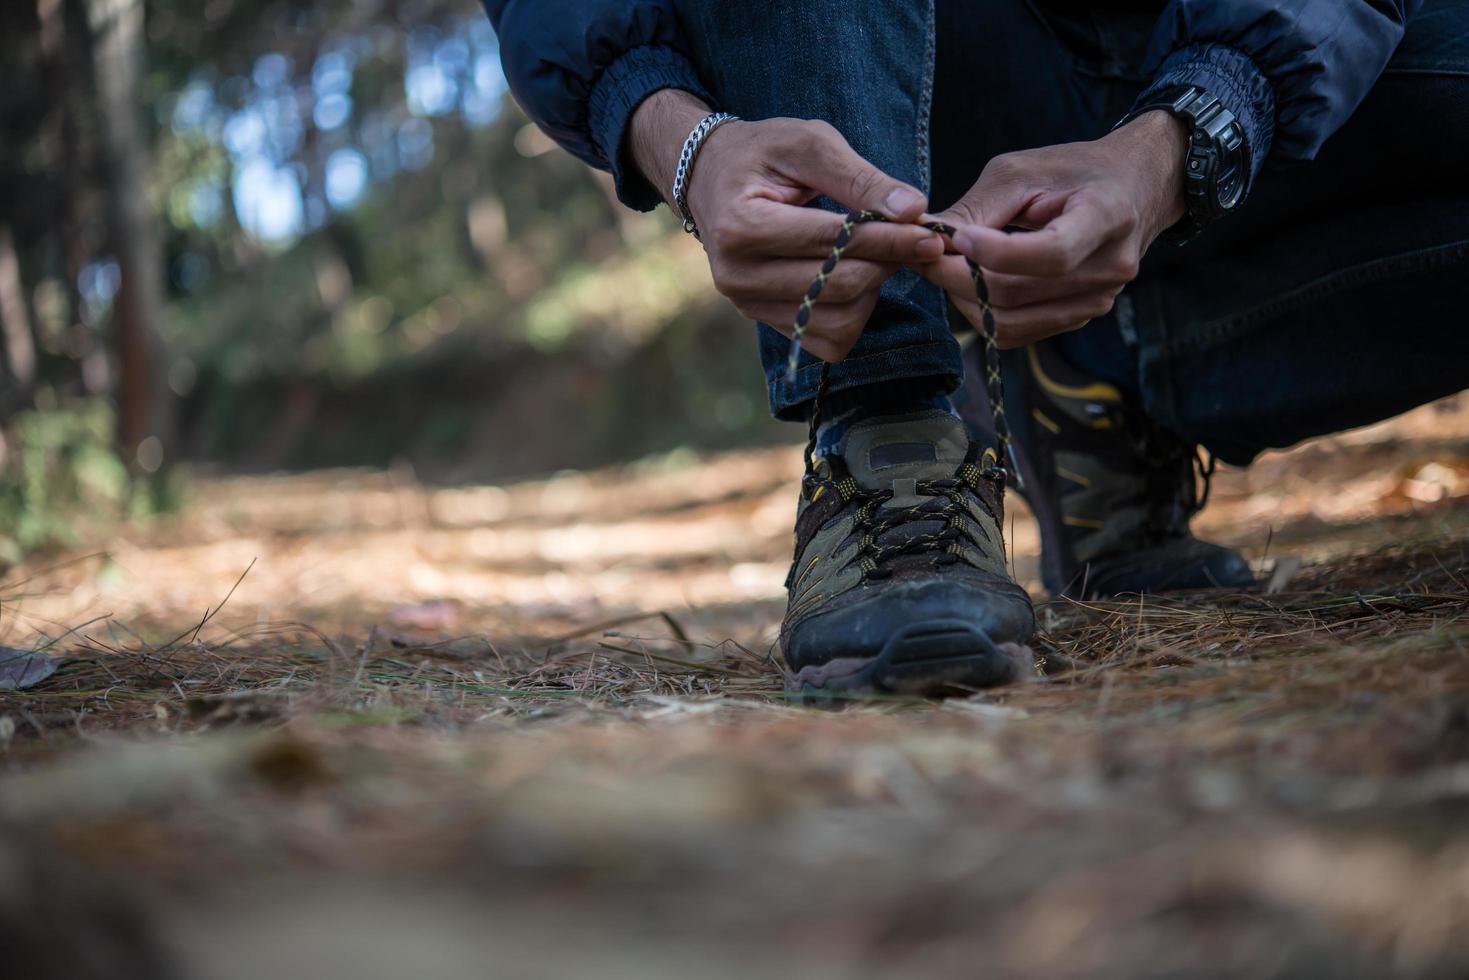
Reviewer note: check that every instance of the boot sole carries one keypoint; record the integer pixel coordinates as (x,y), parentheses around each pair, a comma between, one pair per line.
(924,659)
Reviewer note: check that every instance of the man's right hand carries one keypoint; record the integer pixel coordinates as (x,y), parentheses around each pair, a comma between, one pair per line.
(747,191)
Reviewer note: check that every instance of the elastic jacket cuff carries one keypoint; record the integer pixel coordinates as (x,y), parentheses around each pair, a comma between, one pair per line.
(1232,78)
(618,91)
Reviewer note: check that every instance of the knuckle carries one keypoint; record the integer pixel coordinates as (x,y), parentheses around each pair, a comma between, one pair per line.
(865,184)
(817,134)
(729,234)
(842,290)
(1053,264)
(1005,294)
(824,130)
(1067,259)
(720,271)
(716,239)
(1126,270)
(1006,166)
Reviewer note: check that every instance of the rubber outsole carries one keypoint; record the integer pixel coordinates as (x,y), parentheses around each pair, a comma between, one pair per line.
(924,659)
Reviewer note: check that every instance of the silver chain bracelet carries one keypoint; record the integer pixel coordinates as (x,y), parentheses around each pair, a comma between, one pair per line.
(691,147)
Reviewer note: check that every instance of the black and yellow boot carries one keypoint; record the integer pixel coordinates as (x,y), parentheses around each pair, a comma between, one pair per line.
(1112,491)
(899,583)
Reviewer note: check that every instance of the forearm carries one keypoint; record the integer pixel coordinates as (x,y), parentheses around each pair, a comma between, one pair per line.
(656,133)
(1154,147)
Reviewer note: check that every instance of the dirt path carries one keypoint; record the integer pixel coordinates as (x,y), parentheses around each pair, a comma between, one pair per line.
(534,731)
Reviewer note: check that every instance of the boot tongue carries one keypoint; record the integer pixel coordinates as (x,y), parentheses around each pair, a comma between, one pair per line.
(898,449)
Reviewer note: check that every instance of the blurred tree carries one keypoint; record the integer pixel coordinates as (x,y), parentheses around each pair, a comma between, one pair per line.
(144,403)
(326,236)
(15,322)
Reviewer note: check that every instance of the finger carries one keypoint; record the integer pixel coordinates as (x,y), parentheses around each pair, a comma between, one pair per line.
(1027,324)
(1054,250)
(1007,290)
(951,272)
(823,160)
(825,321)
(1002,193)
(787,280)
(798,232)
(831,331)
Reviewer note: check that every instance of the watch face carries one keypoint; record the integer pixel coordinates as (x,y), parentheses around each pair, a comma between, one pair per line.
(1229,187)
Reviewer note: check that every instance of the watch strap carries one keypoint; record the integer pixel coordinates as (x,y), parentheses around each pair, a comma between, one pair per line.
(1213,133)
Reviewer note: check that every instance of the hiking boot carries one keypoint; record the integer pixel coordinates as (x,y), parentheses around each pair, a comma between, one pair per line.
(899,582)
(1112,491)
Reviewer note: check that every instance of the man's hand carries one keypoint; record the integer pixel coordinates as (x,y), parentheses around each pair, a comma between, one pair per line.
(746,193)
(1094,209)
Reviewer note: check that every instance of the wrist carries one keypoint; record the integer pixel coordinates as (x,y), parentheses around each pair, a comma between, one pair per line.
(657,131)
(1157,144)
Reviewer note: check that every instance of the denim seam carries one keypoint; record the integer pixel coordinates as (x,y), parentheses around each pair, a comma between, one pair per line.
(925,100)
(1365,273)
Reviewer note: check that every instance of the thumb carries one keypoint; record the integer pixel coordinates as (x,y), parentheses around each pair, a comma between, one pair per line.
(990,204)
(828,164)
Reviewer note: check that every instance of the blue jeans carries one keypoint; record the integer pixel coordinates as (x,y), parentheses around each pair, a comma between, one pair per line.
(1337,296)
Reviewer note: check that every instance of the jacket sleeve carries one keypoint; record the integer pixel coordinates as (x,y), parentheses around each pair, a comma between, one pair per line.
(1291,71)
(580,67)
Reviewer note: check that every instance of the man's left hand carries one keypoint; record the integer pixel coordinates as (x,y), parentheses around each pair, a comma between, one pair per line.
(1092,210)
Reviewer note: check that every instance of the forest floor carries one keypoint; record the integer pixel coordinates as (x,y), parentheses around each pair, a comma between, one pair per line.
(538,731)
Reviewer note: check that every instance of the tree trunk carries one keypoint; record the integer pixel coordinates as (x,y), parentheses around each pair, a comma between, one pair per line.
(15,324)
(145,408)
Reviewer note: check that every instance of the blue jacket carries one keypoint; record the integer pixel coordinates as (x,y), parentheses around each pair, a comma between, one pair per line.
(1291,71)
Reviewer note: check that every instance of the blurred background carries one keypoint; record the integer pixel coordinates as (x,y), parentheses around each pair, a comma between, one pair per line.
(309,629)
(261,235)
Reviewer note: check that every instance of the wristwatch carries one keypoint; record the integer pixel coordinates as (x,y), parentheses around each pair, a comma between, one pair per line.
(1217,171)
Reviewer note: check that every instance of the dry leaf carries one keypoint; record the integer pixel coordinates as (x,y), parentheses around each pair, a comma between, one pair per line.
(20,669)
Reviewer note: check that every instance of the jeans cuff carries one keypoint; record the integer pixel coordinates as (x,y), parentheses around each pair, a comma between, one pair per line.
(620,89)
(930,368)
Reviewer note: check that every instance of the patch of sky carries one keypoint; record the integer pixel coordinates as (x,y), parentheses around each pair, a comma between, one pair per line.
(488,91)
(98,281)
(332,111)
(452,55)
(194,108)
(244,133)
(332,73)
(346,178)
(482,34)
(268,200)
(421,43)
(270,71)
(205,205)
(431,90)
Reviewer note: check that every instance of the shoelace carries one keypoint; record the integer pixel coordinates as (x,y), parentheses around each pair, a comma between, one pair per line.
(876,521)
(1184,475)
(996,461)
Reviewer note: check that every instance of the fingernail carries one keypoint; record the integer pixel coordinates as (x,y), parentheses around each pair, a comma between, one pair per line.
(932,246)
(901,199)
(964,241)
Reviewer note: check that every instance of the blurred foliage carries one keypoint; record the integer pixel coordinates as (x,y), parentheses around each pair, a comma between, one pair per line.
(370,254)
(60,469)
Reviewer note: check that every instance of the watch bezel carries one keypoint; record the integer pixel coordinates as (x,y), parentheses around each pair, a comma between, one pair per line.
(1216,174)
